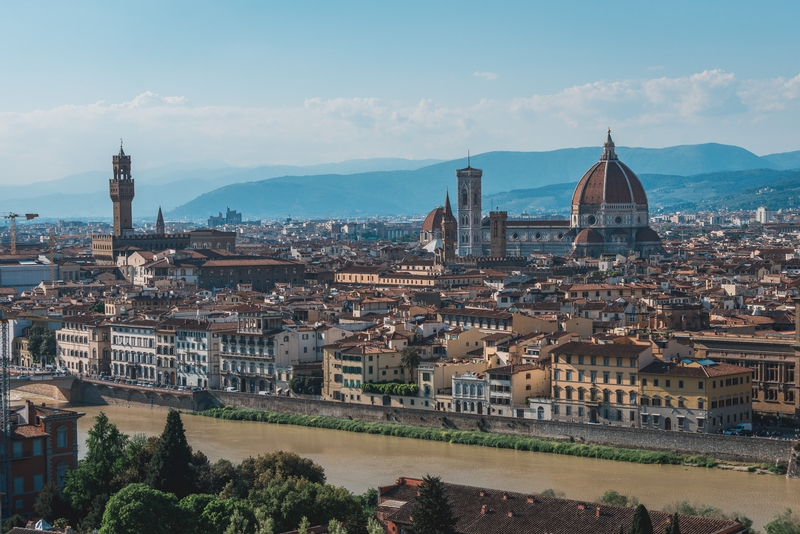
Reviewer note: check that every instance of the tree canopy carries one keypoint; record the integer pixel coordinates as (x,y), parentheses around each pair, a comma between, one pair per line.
(41,343)
(641,521)
(433,510)
(170,469)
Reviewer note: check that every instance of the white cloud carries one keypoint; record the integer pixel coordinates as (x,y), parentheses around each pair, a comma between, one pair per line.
(488,76)
(712,105)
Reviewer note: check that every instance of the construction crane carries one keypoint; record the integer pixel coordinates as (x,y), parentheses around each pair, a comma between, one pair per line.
(13,225)
(53,239)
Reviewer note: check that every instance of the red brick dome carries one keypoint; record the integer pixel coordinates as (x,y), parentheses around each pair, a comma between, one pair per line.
(434,220)
(647,235)
(588,236)
(609,181)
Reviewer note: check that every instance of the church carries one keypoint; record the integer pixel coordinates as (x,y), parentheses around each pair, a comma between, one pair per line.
(609,215)
(106,248)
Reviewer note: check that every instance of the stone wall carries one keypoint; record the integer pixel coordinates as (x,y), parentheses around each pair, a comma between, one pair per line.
(44,390)
(731,448)
(139,398)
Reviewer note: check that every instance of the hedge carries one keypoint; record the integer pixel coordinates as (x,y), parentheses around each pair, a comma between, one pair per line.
(462,437)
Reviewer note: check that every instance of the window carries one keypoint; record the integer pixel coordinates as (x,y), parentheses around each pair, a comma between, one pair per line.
(655,382)
(557,374)
(17,449)
(619,378)
(619,362)
(644,381)
(605,377)
(569,376)
(61,473)
(701,404)
(38,482)
(37,447)
(667,383)
(580,376)
(680,384)
(61,436)
(700,385)
(19,485)
(594,376)
(606,362)
(580,360)
(594,360)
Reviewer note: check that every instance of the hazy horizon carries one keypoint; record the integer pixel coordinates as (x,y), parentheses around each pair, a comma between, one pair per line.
(257,84)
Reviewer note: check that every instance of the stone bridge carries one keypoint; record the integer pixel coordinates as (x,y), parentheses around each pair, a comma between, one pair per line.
(63,388)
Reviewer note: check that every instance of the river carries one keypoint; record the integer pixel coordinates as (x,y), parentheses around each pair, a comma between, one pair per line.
(361,461)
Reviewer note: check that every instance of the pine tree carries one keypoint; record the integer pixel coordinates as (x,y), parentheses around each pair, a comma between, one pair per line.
(673,527)
(433,511)
(170,469)
(641,521)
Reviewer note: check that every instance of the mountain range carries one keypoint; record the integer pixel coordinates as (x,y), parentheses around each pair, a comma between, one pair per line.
(680,177)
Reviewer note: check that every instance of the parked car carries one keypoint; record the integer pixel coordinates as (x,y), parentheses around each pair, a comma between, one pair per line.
(231,389)
(23,377)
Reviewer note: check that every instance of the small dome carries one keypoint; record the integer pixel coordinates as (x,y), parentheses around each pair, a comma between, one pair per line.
(434,220)
(588,236)
(647,235)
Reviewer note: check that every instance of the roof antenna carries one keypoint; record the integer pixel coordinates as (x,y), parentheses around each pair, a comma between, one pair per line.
(468,159)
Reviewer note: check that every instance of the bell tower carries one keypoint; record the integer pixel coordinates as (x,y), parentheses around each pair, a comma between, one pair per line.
(449,229)
(470,234)
(121,192)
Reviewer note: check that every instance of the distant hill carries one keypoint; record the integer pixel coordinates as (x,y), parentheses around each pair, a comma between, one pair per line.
(418,191)
(784,161)
(371,186)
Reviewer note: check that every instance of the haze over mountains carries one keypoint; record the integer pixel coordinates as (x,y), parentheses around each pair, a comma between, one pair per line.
(682,177)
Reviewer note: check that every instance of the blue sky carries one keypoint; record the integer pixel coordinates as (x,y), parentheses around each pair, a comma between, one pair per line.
(309,82)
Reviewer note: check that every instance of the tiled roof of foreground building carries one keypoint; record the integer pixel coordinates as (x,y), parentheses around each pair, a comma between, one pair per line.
(487,511)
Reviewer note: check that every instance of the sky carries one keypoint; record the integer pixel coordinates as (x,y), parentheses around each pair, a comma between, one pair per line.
(255,83)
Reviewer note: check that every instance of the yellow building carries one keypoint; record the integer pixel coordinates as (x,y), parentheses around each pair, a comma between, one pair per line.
(695,396)
(352,362)
(598,383)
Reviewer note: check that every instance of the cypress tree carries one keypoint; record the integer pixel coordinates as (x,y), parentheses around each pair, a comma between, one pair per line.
(641,521)
(170,469)
(673,527)
(433,511)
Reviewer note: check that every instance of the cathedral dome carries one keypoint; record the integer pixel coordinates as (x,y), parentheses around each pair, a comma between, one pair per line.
(588,236)
(609,181)
(647,235)
(434,220)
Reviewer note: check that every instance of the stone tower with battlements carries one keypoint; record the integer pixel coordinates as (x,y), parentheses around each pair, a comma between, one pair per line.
(497,239)
(470,236)
(121,191)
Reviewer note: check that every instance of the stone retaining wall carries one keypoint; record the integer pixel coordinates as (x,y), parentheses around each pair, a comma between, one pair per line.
(139,398)
(730,448)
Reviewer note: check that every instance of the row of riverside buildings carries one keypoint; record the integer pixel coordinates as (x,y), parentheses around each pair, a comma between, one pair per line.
(513,365)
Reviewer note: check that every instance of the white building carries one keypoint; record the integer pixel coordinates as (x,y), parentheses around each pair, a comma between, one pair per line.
(133,350)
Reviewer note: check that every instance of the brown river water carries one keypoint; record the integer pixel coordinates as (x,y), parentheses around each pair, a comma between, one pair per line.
(361,461)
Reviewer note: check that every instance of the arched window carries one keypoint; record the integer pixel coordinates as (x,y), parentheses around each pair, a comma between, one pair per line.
(472,389)
(632,396)
(61,437)
(480,391)
(540,413)
(61,473)
(458,388)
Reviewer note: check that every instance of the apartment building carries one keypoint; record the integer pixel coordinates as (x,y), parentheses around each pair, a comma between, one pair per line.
(83,344)
(133,350)
(594,383)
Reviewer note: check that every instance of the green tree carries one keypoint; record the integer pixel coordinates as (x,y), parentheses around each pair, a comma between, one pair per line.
(170,469)
(216,517)
(15,520)
(105,460)
(433,511)
(335,527)
(410,359)
(374,527)
(302,528)
(41,343)
(98,307)
(139,508)
(614,498)
(674,526)
(51,504)
(786,523)
(641,521)
(256,473)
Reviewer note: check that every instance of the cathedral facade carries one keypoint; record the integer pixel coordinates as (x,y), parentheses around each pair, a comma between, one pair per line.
(609,214)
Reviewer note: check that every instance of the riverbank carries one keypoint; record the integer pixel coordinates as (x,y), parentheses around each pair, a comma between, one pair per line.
(468,437)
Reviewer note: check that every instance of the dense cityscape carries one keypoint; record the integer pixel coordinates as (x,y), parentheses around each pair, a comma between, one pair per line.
(399,268)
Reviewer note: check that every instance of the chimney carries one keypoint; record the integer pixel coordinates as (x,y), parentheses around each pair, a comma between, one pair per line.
(511,513)
(598,512)
(505,496)
(581,507)
(531,499)
(482,493)
(484,509)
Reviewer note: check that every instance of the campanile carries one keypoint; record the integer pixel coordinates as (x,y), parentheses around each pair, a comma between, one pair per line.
(121,192)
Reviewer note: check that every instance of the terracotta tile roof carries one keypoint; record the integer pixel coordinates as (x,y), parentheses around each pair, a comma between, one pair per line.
(27,431)
(608,349)
(487,511)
